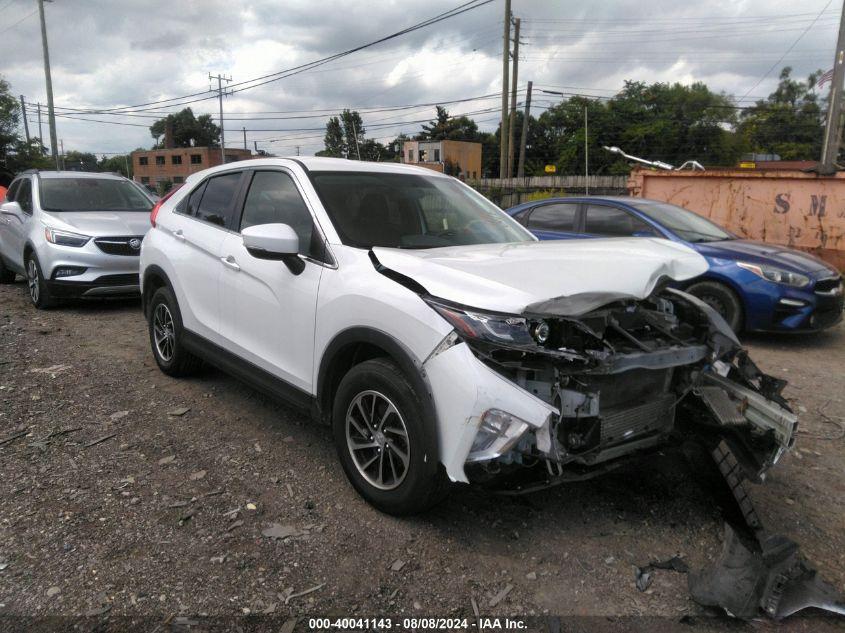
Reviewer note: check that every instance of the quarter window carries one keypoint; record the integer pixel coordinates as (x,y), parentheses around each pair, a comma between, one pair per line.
(613,222)
(24,196)
(217,204)
(553,217)
(274,199)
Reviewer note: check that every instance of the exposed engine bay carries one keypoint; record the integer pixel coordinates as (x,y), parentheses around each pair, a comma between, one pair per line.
(625,378)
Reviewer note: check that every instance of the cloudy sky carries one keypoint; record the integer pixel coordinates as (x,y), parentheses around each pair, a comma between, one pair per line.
(110,54)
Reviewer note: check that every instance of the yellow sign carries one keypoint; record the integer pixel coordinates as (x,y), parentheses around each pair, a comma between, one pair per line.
(550,169)
(747,165)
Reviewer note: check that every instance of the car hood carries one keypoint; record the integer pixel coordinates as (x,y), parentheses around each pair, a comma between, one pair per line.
(763,253)
(566,277)
(100,223)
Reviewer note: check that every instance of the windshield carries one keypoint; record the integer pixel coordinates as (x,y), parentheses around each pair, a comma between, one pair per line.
(682,222)
(411,211)
(92,194)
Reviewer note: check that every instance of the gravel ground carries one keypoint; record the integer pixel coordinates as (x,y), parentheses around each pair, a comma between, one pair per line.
(134,494)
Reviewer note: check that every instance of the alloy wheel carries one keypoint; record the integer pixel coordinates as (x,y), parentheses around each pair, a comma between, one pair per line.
(32,280)
(378,440)
(164,334)
(717,304)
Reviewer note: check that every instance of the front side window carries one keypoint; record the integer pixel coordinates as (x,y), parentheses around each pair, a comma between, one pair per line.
(411,211)
(92,194)
(553,217)
(217,204)
(274,199)
(13,190)
(24,195)
(613,222)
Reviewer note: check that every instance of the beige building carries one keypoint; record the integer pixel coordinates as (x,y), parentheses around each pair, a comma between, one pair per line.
(175,164)
(456,158)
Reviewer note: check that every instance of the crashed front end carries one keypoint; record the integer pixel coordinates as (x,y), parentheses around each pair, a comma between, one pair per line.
(575,386)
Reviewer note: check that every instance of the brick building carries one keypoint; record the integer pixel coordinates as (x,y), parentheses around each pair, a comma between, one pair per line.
(157,166)
(457,158)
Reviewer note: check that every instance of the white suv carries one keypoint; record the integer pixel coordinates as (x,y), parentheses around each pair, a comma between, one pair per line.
(438,337)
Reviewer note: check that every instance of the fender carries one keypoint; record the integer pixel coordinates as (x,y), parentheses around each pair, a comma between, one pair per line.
(397,352)
(149,272)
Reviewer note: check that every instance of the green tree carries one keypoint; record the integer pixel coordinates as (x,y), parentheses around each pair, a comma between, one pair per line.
(188,130)
(345,138)
(446,127)
(790,122)
(121,164)
(79,161)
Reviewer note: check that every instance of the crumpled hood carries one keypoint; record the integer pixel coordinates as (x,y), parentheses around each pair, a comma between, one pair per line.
(100,223)
(764,253)
(511,277)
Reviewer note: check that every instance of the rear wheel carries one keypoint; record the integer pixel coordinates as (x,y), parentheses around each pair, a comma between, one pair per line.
(7,276)
(167,336)
(39,293)
(722,299)
(384,441)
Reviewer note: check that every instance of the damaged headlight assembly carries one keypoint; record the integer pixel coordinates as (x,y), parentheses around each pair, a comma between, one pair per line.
(498,433)
(502,329)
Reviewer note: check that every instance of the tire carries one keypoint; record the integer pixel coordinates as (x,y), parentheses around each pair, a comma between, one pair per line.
(166,336)
(391,483)
(39,293)
(722,299)
(6,276)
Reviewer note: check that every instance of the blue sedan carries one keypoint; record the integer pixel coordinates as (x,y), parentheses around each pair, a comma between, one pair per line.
(755,286)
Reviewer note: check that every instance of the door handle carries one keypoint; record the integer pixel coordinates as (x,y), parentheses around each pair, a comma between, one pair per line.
(179,235)
(230,262)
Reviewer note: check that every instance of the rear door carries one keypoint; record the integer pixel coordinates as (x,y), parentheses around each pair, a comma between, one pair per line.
(268,312)
(602,220)
(554,220)
(199,225)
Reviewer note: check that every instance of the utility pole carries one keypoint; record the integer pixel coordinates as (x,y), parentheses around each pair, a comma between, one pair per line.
(355,133)
(25,122)
(520,170)
(255,143)
(297,150)
(245,138)
(40,133)
(586,154)
(51,115)
(63,156)
(833,126)
(503,135)
(220,79)
(512,115)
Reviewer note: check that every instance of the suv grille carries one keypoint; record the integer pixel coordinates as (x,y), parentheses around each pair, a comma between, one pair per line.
(130,245)
(827,285)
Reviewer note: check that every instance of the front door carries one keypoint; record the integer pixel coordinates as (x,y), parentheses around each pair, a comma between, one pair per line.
(267,311)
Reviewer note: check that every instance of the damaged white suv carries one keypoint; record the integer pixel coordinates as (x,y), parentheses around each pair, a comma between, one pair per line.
(438,337)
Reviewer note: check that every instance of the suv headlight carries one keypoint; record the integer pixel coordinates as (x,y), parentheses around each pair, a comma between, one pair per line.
(776,275)
(503,329)
(65,238)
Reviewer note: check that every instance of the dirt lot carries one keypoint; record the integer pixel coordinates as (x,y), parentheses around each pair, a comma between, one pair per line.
(112,504)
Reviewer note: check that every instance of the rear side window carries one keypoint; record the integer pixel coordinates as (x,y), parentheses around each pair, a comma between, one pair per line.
(613,222)
(274,199)
(217,204)
(553,217)
(24,195)
(13,189)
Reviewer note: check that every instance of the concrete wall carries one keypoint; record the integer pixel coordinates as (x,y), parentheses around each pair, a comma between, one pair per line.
(791,208)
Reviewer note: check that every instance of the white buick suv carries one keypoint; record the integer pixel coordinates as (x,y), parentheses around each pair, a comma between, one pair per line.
(439,338)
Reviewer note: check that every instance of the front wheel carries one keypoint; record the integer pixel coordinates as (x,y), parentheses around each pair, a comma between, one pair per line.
(722,299)
(39,293)
(384,442)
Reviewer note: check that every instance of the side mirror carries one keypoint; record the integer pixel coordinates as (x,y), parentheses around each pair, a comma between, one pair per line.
(277,242)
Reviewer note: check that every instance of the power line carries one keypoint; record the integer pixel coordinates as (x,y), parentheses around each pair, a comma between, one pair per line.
(11,26)
(798,39)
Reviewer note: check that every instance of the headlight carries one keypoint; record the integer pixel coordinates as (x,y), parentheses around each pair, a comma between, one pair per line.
(65,238)
(493,328)
(776,275)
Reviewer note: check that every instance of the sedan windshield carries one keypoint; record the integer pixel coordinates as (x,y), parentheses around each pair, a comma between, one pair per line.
(685,224)
(411,211)
(92,194)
